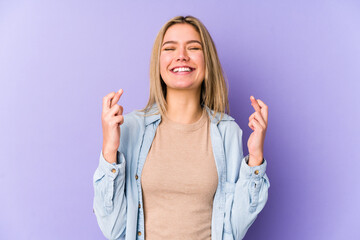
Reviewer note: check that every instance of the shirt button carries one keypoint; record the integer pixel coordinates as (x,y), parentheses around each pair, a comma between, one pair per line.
(256,172)
(139,233)
(136,177)
(113,170)
(139,205)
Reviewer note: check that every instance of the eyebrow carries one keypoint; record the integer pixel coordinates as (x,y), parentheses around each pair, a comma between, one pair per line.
(190,41)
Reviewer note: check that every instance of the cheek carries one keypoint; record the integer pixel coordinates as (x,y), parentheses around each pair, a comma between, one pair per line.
(164,62)
(199,59)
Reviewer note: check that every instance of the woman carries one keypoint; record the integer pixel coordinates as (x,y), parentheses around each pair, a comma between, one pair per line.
(177,169)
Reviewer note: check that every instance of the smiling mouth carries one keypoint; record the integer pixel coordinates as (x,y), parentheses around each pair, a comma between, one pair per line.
(182,69)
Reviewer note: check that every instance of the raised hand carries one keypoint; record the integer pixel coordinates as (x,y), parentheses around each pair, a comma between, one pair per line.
(111,119)
(258,123)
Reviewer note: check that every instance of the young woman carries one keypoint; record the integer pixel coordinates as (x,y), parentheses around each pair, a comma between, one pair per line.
(176,170)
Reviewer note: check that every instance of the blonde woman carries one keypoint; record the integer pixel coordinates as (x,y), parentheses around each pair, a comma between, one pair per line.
(176,170)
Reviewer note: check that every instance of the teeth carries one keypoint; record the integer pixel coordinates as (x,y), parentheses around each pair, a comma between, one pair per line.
(182,69)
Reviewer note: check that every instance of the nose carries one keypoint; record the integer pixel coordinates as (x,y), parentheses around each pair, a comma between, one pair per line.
(182,55)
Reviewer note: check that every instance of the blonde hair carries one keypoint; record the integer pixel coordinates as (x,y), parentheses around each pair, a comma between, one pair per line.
(214,92)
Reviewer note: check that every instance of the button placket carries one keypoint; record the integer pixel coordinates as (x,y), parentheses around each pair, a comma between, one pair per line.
(147,140)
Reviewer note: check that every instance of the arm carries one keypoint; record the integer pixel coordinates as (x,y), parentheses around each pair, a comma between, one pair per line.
(251,190)
(250,197)
(246,187)
(109,197)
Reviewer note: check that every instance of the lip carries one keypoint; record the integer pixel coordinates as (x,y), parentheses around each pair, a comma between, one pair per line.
(182,73)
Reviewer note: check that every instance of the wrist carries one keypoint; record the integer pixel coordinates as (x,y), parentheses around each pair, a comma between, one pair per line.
(110,156)
(255,160)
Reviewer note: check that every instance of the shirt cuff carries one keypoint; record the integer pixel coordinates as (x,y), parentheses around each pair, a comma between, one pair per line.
(247,172)
(113,169)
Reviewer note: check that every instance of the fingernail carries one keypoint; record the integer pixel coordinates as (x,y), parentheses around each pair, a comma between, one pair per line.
(119,90)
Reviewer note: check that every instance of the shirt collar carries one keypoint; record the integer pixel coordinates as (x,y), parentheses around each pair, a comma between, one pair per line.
(153,115)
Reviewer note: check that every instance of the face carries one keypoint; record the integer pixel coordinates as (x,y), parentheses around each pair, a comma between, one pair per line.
(182,64)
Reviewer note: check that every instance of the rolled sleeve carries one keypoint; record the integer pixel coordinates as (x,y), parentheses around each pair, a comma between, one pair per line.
(247,172)
(107,178)
(109,196)
(256,178)
(112,170)
(250,196)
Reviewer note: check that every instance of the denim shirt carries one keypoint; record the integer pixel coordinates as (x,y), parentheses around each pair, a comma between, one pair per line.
(241,193)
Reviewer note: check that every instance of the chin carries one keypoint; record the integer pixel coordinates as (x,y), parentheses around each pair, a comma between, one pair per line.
(182,85)
(182,82)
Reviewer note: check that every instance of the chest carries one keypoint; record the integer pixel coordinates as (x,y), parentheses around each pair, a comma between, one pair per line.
(181,163)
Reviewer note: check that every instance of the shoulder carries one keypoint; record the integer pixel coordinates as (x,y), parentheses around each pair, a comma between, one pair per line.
(134,116)
(226,124)
(140,118)
(229,128)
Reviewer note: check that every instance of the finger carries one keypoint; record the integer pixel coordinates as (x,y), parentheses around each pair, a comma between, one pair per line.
(119,119)
(252,116)
(255,104)
(116,97)
(120,112)
(106,100)
(259,118)
(114,110)
(256,125)
(264,110)
(251,126)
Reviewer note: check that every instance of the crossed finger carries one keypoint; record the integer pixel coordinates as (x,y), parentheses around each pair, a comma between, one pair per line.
(257,116)
(111,99)
(106,101)
(260,107)
(116,98)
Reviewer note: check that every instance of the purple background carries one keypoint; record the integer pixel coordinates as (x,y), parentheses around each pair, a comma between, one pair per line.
(59,58)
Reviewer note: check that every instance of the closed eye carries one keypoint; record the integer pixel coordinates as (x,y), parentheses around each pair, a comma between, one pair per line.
(195,48)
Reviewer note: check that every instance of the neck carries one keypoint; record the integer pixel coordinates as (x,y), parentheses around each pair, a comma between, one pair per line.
(183,106)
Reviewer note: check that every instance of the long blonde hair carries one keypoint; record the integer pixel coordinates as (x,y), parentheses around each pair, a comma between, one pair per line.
(214,92)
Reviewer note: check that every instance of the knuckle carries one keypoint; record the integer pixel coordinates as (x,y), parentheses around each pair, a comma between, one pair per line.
(108,95)
(117,107)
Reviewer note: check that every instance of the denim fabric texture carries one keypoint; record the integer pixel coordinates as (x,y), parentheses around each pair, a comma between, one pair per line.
(241,194)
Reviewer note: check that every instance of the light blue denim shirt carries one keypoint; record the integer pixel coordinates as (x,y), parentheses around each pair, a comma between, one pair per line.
(241,193)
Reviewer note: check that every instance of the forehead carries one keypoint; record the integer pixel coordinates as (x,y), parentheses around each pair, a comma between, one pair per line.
(181,32)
